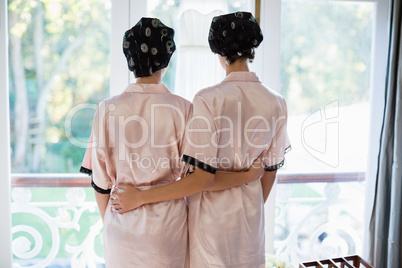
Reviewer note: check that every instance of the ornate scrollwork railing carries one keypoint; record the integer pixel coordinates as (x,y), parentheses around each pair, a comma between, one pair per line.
(305,227)
(45,223)
(327,224)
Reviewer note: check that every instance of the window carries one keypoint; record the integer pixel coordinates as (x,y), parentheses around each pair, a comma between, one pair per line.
(325,74)
(59,71)
(326,52)
(193,66)
(59,58)
(65,70)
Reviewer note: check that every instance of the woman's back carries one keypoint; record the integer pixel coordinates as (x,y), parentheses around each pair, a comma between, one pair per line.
(247,114)
(139,135)
(144,127)
(245,118)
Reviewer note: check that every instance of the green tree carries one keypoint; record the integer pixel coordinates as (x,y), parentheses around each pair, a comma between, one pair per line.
(59,57)
(325,53)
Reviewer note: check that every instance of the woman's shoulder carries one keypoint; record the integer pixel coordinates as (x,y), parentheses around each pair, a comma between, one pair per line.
(273,98)
(272,92)
(178,98)
(210,93)
(178,101)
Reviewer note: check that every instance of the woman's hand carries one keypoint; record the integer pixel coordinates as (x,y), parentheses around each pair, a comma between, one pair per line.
(225,180)
(125,197)
(256,170)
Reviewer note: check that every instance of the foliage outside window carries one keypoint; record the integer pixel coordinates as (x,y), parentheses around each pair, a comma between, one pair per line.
(59,58)
(325,77)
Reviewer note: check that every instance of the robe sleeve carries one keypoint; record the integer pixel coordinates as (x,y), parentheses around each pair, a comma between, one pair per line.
(201,138)
(86,165)
(274,158)
(101,181)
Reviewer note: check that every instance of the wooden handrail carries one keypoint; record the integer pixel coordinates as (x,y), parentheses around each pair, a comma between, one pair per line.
(321,177)
(50,180)
(82,180)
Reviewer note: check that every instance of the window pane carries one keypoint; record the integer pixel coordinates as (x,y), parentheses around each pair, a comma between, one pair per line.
(59,71)
(167,12)
(319,220)
(325,78)
(59,65)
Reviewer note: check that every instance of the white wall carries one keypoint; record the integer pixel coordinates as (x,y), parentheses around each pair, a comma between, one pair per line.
(5,222)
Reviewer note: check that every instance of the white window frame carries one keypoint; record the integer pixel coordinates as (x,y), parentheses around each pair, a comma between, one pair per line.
(5,210)
(377,101)
(125,14)
(267,67)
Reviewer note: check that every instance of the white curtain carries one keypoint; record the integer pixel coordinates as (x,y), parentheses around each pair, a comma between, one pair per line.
(197,67)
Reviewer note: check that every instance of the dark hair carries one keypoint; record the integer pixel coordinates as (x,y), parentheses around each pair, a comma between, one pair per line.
(245,54)
(235,36)
(148,46)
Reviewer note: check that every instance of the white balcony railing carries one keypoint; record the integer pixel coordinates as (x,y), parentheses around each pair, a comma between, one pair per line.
(56,222)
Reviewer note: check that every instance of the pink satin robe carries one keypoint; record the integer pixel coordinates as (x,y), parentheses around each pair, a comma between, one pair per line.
(139,138)
(238,120)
